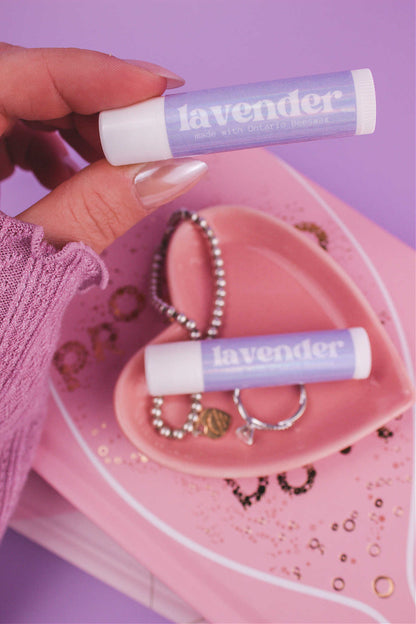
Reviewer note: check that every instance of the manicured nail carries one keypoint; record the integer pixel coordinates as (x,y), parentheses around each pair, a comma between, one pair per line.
(161,182)
(173,80)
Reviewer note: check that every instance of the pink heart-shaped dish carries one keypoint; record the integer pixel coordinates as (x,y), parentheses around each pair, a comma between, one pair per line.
(278,281)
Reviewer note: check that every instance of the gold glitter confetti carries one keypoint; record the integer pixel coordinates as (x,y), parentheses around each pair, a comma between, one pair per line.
(296,571)
(103,336)
(349,525)
(315,544)
(383,586)
(118,301)
(374,549)
(299,489)
(338,584)
(316,230)
(69,359)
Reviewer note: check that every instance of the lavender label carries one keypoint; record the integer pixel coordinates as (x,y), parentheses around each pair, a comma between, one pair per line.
(279,111)
(278,359)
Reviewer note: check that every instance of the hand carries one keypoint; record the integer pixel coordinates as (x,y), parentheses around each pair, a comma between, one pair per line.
(46,94)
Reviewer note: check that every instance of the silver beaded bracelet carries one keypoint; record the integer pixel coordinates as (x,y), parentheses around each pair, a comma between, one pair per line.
(211,422)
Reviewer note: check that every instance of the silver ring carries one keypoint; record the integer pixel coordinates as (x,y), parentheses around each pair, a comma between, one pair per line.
(246,432)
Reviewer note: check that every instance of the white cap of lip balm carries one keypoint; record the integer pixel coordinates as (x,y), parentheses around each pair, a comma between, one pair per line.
(365,95)
(174,368)
(136,133)
(362,348)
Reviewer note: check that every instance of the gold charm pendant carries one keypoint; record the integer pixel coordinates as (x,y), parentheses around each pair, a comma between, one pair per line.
(213,423)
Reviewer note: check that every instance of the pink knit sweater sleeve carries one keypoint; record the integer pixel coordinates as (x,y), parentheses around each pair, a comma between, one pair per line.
(37,282)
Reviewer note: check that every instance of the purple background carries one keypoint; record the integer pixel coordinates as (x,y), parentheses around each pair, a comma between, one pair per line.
(215,43)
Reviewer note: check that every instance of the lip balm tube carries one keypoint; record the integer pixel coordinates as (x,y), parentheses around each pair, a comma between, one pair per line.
(239,117)
(257,361)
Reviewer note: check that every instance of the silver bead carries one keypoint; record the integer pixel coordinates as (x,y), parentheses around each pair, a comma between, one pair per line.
(217,263)
(178,434)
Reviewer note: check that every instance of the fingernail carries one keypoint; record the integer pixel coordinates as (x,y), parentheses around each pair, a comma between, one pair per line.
(172,80)
(161,182)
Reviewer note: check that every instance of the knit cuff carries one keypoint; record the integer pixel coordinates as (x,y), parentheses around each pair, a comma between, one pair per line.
(22,242)
(37,282)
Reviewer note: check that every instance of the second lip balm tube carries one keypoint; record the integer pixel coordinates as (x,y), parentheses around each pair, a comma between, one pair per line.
(257,361)
(238,117)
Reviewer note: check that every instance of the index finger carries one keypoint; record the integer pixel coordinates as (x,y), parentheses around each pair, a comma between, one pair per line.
(48,83)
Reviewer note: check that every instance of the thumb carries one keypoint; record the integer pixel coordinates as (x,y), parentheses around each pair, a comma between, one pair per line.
(102,202)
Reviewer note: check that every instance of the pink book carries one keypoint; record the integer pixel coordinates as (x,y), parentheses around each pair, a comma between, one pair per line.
(329,541)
